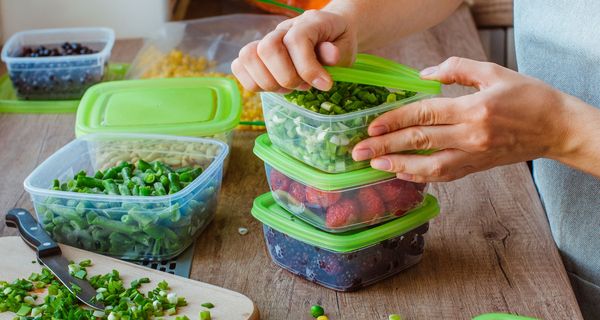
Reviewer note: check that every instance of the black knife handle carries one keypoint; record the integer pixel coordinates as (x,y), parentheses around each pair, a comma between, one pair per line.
(33,233)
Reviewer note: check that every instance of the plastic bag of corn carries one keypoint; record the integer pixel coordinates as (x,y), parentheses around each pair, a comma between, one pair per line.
(205,48)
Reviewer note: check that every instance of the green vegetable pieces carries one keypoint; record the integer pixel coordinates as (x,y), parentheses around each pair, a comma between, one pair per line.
(316,311)
(345,97)
(152,227)
(124,178)
(19,297)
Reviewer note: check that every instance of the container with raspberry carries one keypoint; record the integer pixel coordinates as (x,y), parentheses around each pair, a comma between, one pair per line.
(343,261)
(336,202)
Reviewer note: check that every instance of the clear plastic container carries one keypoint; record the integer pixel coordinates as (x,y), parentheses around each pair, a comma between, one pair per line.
(188,107)
(59,77)
(322,141)
(128,227)
(205,48)
(346,261)
(336,202)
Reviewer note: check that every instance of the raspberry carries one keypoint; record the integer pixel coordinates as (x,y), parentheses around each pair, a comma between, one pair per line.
(404,201)
(371,205)
(296,191)
(391,189)
(320,198)
(278,181)
(341,214)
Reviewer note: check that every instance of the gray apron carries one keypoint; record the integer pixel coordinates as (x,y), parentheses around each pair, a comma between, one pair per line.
(559,43)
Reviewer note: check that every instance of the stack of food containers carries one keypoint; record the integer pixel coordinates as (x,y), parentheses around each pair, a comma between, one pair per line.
(132,135)
(127,226)
(329,219)
(190,107)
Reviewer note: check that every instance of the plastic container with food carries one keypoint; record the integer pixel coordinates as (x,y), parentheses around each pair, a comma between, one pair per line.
(63,70)
(320,128)
(127,226)
(205,48)
(336,202)
(344,261)
(190,107)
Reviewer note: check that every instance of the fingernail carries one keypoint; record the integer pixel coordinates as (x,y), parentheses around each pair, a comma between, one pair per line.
(429,71)
(303,87)
(284,90)
(377,130)
(362,154)
(381,164)
(404,176)
(321,84)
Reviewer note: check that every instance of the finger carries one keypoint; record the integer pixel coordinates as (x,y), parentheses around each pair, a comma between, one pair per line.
(242,75)
(436,111)
(328,53)
(256,68)
(277,60)
(300,43)
(413,138)
(286,24)
(464,71)
(443,164)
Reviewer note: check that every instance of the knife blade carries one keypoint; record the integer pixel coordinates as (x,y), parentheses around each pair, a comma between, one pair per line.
(50,255)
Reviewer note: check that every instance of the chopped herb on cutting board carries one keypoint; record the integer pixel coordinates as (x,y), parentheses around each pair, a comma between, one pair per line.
(122,301)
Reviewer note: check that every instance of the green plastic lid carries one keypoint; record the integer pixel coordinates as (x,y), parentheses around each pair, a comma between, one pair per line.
(377,71)
(9,102)
(267,211)
(195,107)
(308,175)
(502,316)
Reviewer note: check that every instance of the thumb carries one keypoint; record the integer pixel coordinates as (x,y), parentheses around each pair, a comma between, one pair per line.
(463,71)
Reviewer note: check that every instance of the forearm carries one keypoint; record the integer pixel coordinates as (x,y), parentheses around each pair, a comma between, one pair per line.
(581,132)
(380,21)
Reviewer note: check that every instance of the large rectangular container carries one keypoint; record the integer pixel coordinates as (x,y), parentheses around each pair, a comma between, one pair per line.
(128,227)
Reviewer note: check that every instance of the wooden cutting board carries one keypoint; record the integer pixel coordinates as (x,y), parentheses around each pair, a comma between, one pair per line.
(16,262)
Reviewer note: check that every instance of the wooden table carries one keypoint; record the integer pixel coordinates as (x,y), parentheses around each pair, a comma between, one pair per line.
(489,250)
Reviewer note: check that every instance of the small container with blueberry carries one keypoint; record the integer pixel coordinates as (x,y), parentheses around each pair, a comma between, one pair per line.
(57,64)
(343,261)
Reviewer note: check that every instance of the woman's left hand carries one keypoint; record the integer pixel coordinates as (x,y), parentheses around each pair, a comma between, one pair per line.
(512,118)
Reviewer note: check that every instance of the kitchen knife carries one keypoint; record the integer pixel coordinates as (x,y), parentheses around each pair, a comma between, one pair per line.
(49,254)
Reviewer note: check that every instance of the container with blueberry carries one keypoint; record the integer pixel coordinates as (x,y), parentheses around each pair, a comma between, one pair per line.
(343,261)
(57,64)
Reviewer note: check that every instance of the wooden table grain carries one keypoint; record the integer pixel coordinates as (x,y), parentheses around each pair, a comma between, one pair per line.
(490,250)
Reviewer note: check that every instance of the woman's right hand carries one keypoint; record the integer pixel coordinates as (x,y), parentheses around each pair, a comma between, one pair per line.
(292,56)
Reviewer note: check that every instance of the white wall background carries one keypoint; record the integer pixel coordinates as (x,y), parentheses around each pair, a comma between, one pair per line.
(129,18)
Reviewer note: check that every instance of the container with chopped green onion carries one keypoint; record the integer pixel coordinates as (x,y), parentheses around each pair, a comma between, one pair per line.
(320,128)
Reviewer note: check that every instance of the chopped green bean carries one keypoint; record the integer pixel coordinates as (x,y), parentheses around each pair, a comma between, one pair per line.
(143,165)
(174,184)
(135,229)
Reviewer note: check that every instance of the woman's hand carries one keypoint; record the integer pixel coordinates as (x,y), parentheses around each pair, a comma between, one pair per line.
(511,118)
(291,56)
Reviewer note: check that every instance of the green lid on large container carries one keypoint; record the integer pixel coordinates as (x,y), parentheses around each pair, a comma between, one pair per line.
(267,211)
(301,172)
(196,107)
